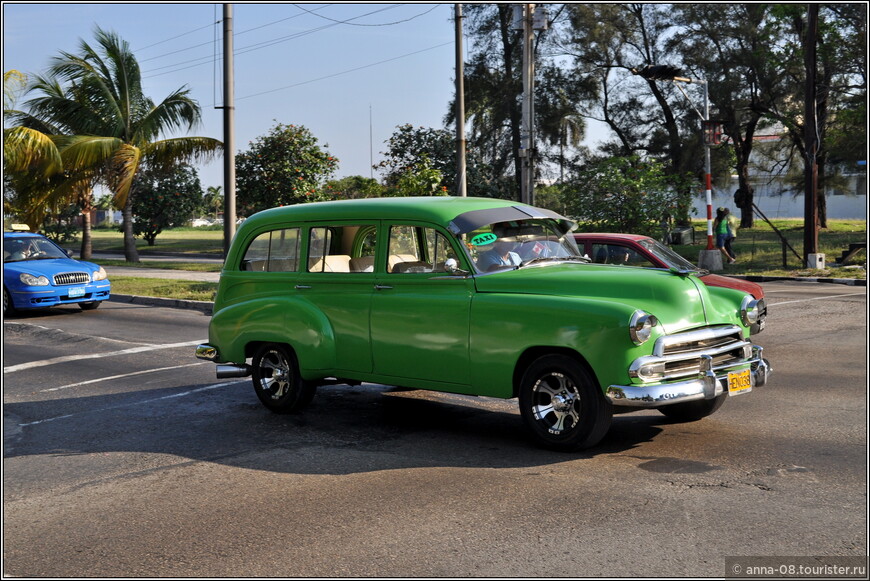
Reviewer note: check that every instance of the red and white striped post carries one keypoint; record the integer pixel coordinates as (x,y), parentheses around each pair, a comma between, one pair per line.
(708,181)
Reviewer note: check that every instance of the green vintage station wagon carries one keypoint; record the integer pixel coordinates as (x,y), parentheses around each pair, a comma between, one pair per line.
(473,296)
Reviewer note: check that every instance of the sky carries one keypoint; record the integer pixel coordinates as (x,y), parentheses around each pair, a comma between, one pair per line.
(350,73)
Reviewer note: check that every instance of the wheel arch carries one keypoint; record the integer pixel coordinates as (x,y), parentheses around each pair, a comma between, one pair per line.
(533,353)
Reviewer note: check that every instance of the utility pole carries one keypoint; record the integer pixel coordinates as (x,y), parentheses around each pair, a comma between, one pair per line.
(532,19)
(812,258)
(526,140)
(229,133)
(461,187)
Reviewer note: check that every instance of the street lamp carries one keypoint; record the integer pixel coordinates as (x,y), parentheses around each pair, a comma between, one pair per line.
(671,73)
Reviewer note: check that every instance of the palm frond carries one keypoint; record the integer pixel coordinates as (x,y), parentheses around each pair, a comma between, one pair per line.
(25,149)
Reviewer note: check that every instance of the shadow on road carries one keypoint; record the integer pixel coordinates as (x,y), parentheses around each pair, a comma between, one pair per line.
(345,430)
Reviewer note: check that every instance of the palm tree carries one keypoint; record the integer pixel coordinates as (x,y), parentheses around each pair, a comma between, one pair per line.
(25,149)
(214,199)
(107,128)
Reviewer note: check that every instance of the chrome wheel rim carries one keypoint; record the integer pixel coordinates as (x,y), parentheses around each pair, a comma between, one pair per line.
(274,374)
(556,403)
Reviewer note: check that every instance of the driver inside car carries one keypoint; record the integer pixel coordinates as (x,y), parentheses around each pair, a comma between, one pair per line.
(501,255)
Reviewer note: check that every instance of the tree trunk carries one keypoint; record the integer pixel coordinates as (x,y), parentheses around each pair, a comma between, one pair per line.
(130,252)
(86,250)
(744,197)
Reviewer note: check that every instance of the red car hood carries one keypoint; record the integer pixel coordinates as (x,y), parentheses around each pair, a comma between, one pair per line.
(730,282)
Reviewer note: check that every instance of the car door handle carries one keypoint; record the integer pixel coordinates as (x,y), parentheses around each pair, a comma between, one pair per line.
(382,287)
(302,286)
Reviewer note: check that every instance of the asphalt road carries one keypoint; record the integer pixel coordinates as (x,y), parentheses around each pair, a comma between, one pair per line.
(124,456)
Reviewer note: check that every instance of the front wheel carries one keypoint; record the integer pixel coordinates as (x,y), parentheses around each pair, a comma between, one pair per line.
(562,404)
(89,306)
(8,305)
(277,380)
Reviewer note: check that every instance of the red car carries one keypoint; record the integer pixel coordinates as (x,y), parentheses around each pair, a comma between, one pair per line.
(636,250)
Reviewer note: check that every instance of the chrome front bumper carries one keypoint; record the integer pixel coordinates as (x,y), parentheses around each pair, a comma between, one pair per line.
(708,384)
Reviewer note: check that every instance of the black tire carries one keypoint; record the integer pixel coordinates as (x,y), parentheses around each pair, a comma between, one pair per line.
(562,404)
(693,411)
(277,381)
(8,306)
(89,306)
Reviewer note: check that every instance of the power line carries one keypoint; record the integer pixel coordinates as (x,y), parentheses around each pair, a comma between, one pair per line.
(360,24)
(353,70)
(256,46)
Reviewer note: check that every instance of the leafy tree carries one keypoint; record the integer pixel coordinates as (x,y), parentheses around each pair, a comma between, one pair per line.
(414,149)
(414,154)
(284,167)
(353,187)
(419,179)
(735,57)
(165,199)
(841,83)
(622,194)
(93,106)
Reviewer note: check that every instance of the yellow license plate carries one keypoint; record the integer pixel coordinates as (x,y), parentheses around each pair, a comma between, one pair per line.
(739,382)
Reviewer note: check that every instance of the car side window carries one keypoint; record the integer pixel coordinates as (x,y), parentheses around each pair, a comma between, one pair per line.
(273,251)
(416,249)
(618,254)
(349,248)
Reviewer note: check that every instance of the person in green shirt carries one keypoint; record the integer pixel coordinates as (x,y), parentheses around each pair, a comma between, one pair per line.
(723,232)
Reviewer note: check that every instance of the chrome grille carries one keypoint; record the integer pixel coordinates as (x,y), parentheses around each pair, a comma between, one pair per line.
(680,354)
(65,278)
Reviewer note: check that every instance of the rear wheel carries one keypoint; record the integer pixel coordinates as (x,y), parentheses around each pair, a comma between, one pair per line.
(692,411)
(562,404)
(277,381)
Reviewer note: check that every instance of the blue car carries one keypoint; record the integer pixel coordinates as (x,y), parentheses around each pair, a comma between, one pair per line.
(37,273)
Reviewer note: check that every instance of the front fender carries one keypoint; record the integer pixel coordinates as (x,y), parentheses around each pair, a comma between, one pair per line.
(595,329)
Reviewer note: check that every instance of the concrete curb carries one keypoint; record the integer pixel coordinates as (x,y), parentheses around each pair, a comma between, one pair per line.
(846,281)
(204,306)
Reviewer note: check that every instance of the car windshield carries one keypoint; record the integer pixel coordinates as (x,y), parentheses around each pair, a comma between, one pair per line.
(19,249)
(515,243)
(666,255)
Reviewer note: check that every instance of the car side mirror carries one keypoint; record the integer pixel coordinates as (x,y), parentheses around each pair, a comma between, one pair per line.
(451,265)
(69,252)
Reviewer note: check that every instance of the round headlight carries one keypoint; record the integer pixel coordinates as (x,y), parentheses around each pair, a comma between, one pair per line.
(99,275)
(749,311)
(31,280)
(640,327)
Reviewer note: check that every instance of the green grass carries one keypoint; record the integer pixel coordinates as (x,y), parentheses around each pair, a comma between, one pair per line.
(177,241)
(157,287)
(760,250)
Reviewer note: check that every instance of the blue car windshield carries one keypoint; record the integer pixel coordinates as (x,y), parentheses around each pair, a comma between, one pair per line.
(20,249)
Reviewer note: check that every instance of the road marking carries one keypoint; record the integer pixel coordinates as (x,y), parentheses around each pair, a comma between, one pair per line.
(66,358)
(111,377)
(814,299)
(147,401)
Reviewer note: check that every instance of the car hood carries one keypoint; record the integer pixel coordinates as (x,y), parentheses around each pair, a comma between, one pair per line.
(50,266)
(736,283)
(678,301)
